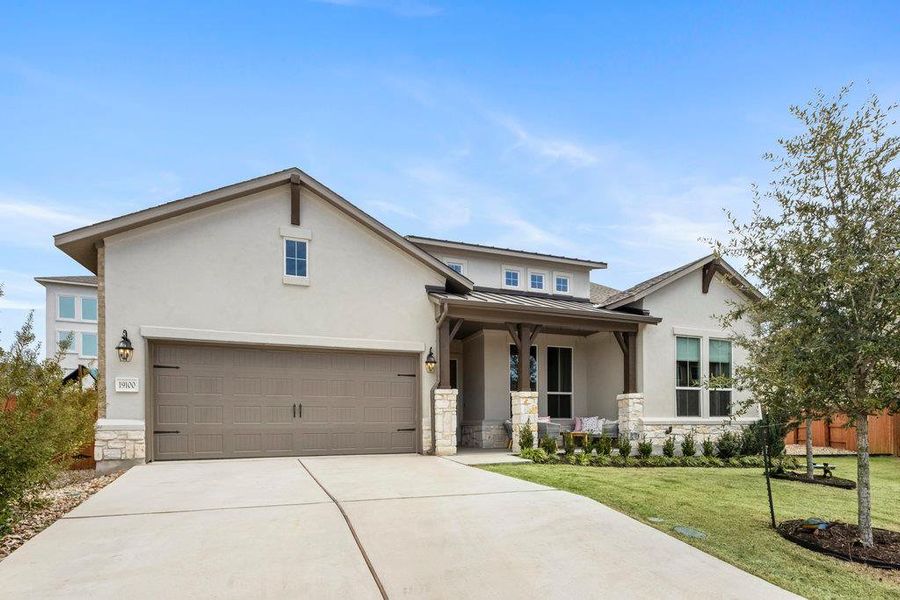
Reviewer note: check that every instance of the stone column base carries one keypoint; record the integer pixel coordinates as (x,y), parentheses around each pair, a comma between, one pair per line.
(484,434)
(631,415)
(118,444)
(524,412)
(445,422)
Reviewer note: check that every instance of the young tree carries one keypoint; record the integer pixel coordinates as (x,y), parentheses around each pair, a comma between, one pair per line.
(824,244)
(43,421)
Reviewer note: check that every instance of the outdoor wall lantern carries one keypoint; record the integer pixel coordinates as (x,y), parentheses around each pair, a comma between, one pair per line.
(430,362)
(124,348)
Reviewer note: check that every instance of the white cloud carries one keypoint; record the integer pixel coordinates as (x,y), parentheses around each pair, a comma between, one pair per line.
(32,225)
(20,291)
(551,148)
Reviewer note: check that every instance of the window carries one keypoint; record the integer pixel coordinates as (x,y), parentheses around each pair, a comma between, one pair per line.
(295,258)
(687,377)
(559,382)
(514,368)
(562,284)
(89,345)
(66,337)
(66,307)
(511,278)
(536,281)
(720,366)
(88,309)
(456,266)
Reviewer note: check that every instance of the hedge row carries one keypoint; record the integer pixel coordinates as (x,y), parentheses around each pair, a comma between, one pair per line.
(539,456)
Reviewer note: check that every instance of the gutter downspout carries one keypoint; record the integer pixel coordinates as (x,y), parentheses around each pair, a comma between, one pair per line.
(445,308)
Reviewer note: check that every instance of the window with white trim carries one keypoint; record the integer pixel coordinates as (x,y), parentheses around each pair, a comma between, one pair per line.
(88,345)
(66,307)
(720,366)
(88,309)
(456,266)
(559,382)
(562,284)
(295,258)
(536,281)
(687,376)
(512,278)
(67,338)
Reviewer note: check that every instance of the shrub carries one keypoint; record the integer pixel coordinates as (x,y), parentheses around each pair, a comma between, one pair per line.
(645,448)
(526,436)
(584,459)
(43,422)
(771,428)
(668,448)
(728,445)
(604,445)
(751,441)
(601,460)
(709,449)
(624,446)
(688,445)
(548,444)
(568,442)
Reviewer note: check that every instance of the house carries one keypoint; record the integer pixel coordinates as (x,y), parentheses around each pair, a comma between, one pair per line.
(71,314)
(273,317)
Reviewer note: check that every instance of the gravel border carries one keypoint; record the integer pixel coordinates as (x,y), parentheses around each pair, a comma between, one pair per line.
(67,491)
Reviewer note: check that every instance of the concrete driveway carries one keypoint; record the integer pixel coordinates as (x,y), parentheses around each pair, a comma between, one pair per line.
(355,527)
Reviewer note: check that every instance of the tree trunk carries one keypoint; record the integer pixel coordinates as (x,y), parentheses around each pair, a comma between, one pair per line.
(810,472)
(863,496)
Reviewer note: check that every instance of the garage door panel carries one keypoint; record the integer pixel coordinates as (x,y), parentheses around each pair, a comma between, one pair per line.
(240,402)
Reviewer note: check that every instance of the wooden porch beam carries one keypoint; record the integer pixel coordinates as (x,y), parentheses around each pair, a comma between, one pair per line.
(455,329)
(630,363)
(621,341)
(444,354)
(476,315)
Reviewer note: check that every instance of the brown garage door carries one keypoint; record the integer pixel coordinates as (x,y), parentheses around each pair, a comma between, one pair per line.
(231,402)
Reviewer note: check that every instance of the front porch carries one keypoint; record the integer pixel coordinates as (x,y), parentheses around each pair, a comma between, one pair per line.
(582,362)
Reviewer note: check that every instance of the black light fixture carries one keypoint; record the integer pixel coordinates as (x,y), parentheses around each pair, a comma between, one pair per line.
(124,347)
(430,362)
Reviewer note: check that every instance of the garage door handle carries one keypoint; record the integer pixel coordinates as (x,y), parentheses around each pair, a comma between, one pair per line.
(174,431)
(295,411)
(407,429)
(300,411)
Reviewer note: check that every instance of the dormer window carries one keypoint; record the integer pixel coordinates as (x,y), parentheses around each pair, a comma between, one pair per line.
(537,281)
(456,264)
(562,283)
(512,278)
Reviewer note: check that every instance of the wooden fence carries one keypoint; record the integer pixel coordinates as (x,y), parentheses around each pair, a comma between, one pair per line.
(884,434)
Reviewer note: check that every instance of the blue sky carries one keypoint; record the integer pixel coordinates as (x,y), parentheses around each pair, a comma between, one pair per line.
(614,131)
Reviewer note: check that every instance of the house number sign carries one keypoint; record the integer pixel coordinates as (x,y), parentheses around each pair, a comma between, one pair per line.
(128,384)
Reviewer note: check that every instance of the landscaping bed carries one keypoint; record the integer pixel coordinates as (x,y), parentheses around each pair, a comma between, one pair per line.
(539,456)
(838,482)
(840,540)
(69,490)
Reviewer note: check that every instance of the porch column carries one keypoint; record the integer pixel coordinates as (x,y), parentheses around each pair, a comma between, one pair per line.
(445,422)
(524,413)
(630,402)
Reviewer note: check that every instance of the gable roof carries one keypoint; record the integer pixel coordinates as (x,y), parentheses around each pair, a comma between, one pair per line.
(453,245)
(647,287)
(85,280)
(600,293)
(80,243)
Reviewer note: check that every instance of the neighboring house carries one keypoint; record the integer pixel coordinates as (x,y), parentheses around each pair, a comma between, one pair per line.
(72,311)
(273,317)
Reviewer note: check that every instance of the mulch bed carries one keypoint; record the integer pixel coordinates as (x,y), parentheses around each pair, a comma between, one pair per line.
(69,490)
(840,541)
(838,482)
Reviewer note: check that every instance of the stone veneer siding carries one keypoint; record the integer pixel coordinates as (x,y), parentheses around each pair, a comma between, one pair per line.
(656,433)
(484,434)
(524,412)
(119,443)
(445,422)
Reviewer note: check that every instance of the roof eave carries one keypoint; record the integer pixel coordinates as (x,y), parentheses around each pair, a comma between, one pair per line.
(575,262)
(43,280)
(514,308)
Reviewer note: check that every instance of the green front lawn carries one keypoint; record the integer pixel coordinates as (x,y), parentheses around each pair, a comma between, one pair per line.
(730,506)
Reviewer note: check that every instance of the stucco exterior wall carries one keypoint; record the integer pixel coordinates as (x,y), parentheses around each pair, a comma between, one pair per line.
(217,273)
(685,310)
(53,324)
(486,270)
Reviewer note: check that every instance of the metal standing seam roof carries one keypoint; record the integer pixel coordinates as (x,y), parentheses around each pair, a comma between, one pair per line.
(574,307)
